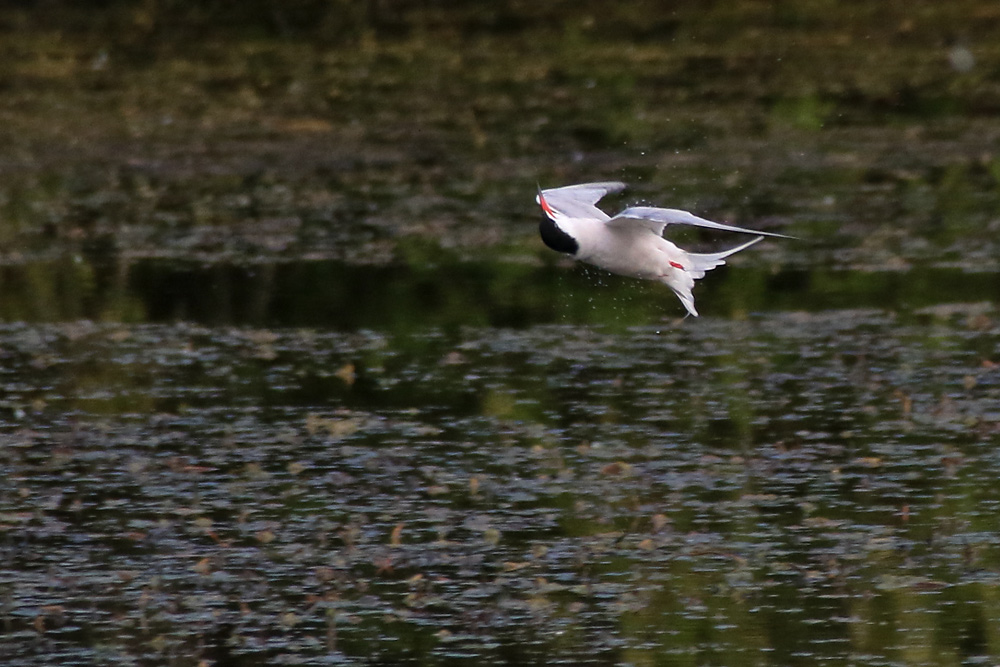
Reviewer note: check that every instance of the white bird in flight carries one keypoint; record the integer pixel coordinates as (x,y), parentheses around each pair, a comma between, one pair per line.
(630,243)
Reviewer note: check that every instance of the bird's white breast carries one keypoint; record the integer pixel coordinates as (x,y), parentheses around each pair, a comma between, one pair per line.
(630,252)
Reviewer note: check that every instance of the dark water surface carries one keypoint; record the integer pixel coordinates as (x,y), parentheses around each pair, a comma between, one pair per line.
(791,487)
(287,377)
(449,292)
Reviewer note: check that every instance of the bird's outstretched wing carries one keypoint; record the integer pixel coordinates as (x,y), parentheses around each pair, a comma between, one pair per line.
(655,219)
(577,201)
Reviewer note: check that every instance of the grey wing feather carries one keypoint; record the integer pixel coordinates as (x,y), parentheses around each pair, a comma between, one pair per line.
(577,201)
(657,218)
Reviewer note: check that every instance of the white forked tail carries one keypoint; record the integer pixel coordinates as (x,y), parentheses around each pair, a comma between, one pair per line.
(700,263)
(682,282)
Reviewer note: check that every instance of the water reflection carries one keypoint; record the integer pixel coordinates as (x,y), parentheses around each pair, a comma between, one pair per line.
(447,292)
(790,488)
(409,456)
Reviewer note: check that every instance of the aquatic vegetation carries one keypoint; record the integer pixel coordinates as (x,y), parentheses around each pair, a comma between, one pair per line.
(288,378)
(485,492)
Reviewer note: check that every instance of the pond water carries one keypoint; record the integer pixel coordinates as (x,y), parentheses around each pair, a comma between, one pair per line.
(237,478)
(288,378)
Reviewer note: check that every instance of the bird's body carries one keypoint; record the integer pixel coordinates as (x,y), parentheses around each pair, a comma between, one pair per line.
(630,243)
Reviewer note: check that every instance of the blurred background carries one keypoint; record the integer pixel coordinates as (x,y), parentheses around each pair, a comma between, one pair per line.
(288,376)
(412,133)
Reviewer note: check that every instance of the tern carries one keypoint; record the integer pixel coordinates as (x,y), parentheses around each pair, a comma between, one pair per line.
(630,243)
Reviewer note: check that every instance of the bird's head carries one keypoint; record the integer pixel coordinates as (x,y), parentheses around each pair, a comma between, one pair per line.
(552,234)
